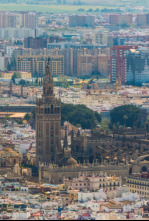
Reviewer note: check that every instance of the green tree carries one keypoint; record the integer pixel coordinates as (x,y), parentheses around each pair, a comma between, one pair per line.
(22,82)
(127,115)
(28,117)
(15,75)
(98,116)
(80,115)
(105,125)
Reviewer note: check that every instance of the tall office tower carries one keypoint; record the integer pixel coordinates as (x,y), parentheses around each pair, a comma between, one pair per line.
(30,20)
(138,66)
(48,123)
(118,63)
(8,20)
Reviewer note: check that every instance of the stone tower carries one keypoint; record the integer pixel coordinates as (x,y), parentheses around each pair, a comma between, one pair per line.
(48,122)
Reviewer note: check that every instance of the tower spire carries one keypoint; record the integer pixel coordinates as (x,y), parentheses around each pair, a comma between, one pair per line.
(48,122)
(48,84)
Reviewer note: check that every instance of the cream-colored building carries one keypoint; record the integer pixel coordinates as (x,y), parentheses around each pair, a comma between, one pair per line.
(87,64)
(92,181)
(36,64)
(8,75)
(103,63)
(139,185)
(25,75)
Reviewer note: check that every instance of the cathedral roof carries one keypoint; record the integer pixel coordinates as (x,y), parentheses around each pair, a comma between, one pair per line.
(68,161)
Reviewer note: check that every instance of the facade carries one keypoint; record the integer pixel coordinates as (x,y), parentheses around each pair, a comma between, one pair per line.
(8,20)
(25,75)
(118,63)
(17,20)
(35,43)
(141,19)
(103,64)
(101,38)
(82,21)
(138,66)
(69,45)
(20,33)
(48,123)
(92,196)
(120,19)
(36,64)
(86,64)
(6,75)
(126,39)
(54,174)
(94,182)
(139,185)
(2,63)
(72,59)
(22,75)
(29,20)
(9,50)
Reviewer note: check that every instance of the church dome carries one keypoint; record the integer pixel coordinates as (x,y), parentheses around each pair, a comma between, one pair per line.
(67,159)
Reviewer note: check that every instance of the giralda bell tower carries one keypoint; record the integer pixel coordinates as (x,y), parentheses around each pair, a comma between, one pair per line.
(48,122)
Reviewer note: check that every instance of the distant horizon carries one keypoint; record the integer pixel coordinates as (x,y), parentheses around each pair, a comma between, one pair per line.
(74,6)
(116,3)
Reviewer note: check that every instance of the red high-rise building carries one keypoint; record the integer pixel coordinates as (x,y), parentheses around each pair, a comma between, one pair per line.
(118,63)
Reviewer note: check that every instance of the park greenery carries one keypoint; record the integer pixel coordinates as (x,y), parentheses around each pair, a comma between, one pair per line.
(80,115)
(126,115)
(77,115)
(25,83)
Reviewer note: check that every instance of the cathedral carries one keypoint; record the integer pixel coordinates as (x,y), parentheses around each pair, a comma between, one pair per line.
(113,154)
(48,122)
